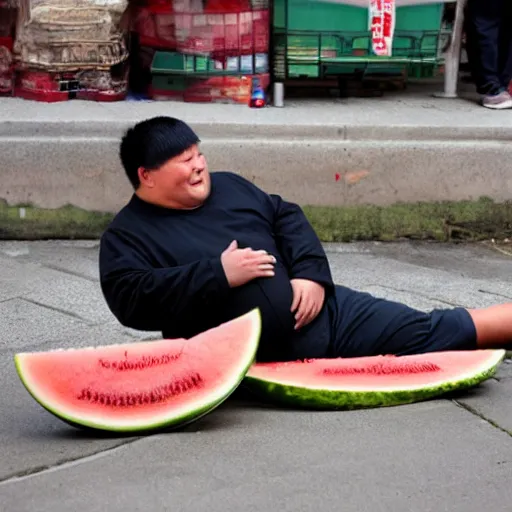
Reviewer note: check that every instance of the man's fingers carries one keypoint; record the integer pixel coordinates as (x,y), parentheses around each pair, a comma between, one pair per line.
(303,311)
(261,264)
(300,320)
(267,272)
(304,320)
(296,300)
(307,303)
(312,313)
(267,258)
(307,313)
(261,257)
(258,253)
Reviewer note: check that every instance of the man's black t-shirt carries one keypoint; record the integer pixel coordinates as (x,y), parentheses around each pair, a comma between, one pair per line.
(160,268)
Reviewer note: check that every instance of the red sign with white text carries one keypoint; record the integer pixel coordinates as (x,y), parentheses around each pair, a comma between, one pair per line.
(382,25)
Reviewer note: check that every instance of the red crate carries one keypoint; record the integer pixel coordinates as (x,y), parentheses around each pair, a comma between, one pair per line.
(154,25)
(228,30)
(43,86)
(220,29)
(54,87)
(217,89)
(158,3)
(6,66)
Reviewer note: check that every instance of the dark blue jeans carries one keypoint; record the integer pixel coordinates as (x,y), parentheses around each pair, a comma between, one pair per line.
(490,37)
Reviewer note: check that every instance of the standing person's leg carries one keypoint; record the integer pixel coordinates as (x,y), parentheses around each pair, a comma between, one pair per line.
(471,48)
(486,18)
(364,325)
(505,46)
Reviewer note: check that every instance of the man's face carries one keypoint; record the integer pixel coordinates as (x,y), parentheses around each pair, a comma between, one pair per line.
(183,181)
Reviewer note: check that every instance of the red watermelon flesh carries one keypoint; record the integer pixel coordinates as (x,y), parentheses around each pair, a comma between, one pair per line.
(349,383)
(143,385)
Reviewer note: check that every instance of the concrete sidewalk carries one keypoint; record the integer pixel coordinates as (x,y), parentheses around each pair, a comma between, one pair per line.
(406,146)
(442,455)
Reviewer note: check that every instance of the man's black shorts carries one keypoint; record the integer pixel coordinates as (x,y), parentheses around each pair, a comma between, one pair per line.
(365,325)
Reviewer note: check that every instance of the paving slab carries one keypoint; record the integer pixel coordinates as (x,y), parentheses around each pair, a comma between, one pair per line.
(27,324)
(17,278)
(62,291)
(450,283)
(30,437)
(441,455)
(505,371)
(74,295)
(428,457)
(493,401)
(473,260)
(61,277)
(73,257)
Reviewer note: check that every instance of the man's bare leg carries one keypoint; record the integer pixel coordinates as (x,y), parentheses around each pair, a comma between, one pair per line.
(493,326)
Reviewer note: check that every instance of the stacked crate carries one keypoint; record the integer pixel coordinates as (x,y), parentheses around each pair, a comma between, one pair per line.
(154,25)
(67,49)
(205,50)
(153,30)
(8,13)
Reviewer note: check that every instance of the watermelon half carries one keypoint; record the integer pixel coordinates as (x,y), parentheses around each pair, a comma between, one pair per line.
(143,386)
(376,381)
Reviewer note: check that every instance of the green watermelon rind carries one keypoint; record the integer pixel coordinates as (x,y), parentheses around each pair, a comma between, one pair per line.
(217,398)
(326,399)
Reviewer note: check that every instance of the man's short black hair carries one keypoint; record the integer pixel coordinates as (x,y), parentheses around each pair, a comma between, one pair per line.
(153,142)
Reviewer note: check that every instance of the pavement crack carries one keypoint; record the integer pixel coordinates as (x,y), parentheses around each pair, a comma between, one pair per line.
(495,247)
(8,299)
(478,414)
(497,294)
(70,272)
(58,310)
(63,464)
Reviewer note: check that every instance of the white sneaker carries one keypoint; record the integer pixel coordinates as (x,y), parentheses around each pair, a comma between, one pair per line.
(499,101)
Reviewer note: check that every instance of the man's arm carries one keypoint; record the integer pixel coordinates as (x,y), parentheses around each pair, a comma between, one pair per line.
(299,245)
(146,298)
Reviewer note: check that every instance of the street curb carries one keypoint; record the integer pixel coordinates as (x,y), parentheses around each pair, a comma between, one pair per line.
(85,171)
(113,129)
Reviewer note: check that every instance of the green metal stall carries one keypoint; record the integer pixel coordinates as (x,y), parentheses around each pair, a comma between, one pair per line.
(318,40)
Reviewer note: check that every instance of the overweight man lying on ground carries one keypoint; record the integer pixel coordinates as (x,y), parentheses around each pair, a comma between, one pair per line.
(191,250)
